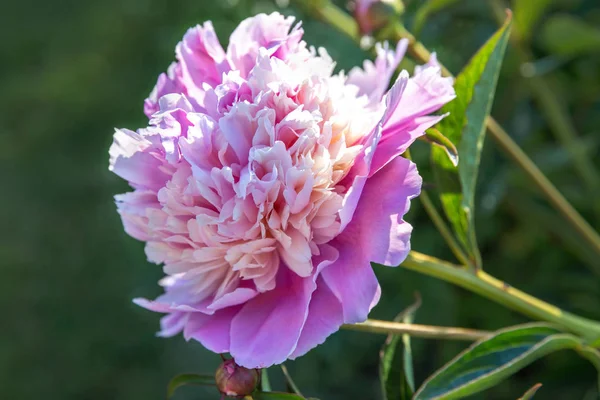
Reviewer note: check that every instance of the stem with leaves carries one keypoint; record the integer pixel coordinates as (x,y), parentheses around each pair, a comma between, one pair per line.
(328,12)
(477,280)
(559,122)
(500,292)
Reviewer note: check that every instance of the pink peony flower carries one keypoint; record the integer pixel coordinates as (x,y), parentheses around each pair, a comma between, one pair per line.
(266,185)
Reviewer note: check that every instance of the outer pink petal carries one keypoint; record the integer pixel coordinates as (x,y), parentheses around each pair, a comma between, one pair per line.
(267,329)
(269,31)
(213,331)
(351,278)
(377,233)
(386,236)
(427,91)
(325,316)
(130,160)
(374,78)
(398,140)
(167,83)
(202,60)
(172,324)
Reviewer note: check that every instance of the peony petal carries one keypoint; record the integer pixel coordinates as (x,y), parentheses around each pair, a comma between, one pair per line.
(261,31)
(358,177)
(213,331)
(238,296)
(202,60)
(325,316)
(426,92)
(267,329)
(374,78)
(172,324)
(351,278)
(377,233)
(385,237)
(130,161)
(396,141)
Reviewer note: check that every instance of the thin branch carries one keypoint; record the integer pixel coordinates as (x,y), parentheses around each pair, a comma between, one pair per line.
(290,381)
(559,121)
(441,226)
(416,330)
(502,293)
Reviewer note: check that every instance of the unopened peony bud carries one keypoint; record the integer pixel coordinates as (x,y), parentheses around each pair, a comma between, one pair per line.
(372,15)
(236,381)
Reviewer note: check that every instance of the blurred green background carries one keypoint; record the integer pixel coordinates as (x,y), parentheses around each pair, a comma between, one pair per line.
(71,70)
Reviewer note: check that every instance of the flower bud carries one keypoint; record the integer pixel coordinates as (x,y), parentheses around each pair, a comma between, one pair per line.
(236,381)
(372,15)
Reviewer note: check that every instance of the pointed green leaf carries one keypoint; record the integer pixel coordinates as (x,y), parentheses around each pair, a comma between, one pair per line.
(428,8)
(491,360)
(567,35)
(437,138)
(593,356)
(465,127)
(275,396)
(531,392)
(395,361)
(189,379)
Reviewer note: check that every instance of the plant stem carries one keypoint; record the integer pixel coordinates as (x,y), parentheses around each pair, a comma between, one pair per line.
(480,282)
(290,381)
(265,384)
(441,226)
(502,293)
(586,232)
(422,331)
(555,112)
(331,14)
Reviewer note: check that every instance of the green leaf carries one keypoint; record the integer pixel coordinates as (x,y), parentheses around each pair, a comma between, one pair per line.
(531,392)
(566,35)
(428,8)
(276,396)
(395,361)
(437,138)
(189,379)
(465,127)
(494,359)
(527,14)
(593,356)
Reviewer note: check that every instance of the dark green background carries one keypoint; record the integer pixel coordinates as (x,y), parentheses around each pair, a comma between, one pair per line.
(71,70)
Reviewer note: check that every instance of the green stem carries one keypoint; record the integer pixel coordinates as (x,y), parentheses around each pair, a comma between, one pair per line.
(265,384)
(585,231)
(290,381)
(556,114)
(441,226)
(502,293)
(480,282)
(328,12)
(416,330)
